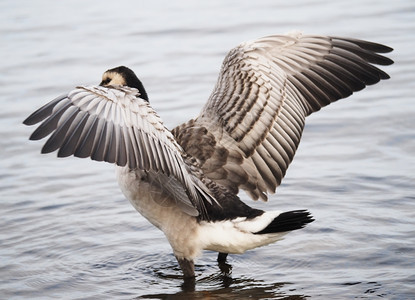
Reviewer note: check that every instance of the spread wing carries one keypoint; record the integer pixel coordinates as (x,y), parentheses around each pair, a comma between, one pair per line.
(247,134)
(113,124)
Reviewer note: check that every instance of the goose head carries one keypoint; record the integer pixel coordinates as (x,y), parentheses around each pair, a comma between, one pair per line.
(123,76)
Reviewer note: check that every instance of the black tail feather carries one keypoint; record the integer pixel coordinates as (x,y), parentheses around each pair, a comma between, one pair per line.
(287,221)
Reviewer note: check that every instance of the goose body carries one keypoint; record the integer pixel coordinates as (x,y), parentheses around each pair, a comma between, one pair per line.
(187,234)
(186,181)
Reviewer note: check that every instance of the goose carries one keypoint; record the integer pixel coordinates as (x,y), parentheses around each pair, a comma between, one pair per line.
(186,181)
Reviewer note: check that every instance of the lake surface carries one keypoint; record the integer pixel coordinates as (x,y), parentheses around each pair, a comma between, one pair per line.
(66,231)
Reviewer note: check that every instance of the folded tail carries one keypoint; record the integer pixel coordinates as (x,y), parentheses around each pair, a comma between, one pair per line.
(288,221)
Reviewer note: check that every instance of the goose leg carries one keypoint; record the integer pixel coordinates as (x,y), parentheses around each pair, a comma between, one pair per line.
(222,257)
(187,266)
(224,267)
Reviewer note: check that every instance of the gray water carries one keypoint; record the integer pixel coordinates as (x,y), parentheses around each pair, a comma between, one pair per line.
(67,232)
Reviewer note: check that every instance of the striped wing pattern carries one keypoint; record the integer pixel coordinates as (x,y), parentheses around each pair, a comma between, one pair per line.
(113,124)
(248,132)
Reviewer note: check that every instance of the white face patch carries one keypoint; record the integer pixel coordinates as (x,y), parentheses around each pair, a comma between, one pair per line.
(115,78)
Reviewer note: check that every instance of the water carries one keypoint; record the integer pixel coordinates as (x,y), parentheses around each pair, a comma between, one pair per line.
(67,232)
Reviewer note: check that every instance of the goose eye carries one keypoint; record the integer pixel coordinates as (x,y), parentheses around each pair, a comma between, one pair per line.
(105,81)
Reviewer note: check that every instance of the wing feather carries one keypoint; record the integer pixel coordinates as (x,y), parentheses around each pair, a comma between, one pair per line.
(43,112)
(131,147)
(110,145)
(58,137)
(100,141)
(86,141)
(113,124)
(265,90)
(50,124)
(73,135)
(122,156)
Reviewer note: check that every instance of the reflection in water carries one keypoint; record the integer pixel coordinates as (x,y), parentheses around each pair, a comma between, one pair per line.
(221,285)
